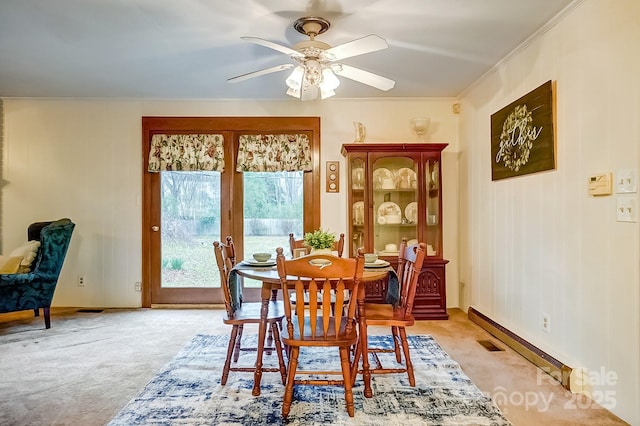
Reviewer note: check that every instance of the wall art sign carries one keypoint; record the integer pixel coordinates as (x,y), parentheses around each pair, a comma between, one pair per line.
(523,135)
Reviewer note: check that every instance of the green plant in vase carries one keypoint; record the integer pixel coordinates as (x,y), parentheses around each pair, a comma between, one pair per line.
(319,240)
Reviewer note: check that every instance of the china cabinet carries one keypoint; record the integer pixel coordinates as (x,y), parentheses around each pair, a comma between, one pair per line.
(394,191)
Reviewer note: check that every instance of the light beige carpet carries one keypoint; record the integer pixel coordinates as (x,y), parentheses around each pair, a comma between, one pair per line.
(88,366)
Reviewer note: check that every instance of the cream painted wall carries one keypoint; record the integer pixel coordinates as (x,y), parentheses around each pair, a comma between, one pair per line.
(82,159)
(539,243)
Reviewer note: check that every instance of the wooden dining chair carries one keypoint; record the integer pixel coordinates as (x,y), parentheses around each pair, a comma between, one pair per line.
(410,260)
(338,245)
(316,326)
(245,313)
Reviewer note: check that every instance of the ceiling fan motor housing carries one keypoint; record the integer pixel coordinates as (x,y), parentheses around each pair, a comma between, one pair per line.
(311,48)
(311,26)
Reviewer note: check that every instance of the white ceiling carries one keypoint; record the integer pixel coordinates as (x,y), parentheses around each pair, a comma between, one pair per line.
(188,48)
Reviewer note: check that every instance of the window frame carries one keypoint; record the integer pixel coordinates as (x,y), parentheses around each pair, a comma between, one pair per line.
(231,128)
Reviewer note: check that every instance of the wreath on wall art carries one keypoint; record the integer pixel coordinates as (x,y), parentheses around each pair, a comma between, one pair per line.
(515,155)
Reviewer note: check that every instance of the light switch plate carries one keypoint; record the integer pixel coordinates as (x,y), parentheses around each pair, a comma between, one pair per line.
(626,209)
(627,181)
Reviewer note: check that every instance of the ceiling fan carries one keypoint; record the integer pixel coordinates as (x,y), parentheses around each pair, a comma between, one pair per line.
(316,68)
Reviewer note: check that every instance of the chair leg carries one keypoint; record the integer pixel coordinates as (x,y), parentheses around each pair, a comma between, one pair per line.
(356,360)
(285,346)
(346,376)
(278,343)
(239,329)
(291,376)
(396,345)
(407,357)
(227,362)
(36,312)
(47,317)
(269,340)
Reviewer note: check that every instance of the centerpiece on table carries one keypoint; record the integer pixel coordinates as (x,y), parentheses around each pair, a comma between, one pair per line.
(320,241)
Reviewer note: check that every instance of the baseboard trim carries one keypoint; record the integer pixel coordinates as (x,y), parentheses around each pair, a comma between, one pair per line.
(556,369)
(187,306)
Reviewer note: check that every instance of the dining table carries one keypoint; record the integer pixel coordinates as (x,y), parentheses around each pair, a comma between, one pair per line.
(270,279)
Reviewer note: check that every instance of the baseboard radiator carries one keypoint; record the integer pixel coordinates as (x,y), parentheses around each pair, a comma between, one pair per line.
(539,358)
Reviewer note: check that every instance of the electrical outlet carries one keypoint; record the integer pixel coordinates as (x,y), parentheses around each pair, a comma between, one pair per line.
(626,181)
(138,286)
(626,209)
(81,280)
(546,322)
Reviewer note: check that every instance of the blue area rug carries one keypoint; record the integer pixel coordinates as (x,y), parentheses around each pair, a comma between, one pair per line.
(188,392)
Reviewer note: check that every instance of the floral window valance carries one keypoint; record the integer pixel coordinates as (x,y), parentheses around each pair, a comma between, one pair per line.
(186,153)
(274,153)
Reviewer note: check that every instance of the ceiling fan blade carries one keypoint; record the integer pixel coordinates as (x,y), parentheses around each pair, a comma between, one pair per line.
(275,46)
(249,75)
(370,43)
(363,76)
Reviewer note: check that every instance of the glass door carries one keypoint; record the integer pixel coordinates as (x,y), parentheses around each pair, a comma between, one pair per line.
(190,222)
(395,203)
(273,208)
(190,206)
(432,183)
(358,211)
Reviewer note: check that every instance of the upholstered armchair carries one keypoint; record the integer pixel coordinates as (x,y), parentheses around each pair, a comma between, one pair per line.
(34,290)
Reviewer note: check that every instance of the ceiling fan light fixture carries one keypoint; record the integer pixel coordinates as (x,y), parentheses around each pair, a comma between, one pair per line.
(294,81)
(326,93)
(313,72)
(294,92)
(329,79)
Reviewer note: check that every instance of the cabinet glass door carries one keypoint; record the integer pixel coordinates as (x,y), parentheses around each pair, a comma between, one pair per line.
(395,204)
(432,176)
(358,215)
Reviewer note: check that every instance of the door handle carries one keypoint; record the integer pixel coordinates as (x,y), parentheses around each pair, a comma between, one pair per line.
(155,228)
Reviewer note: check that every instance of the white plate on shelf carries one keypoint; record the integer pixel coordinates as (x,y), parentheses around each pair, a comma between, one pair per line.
(388,253)
(383,179)
(377,264)
(411,212)
(389,208)
(253,262)
(358,213)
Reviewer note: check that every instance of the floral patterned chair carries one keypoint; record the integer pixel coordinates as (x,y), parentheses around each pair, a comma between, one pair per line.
(34,290)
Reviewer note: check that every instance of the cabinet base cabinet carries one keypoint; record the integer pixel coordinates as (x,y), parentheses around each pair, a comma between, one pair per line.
(430,302)
(375,291)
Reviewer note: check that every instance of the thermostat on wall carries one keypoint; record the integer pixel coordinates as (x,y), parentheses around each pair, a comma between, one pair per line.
(600,184)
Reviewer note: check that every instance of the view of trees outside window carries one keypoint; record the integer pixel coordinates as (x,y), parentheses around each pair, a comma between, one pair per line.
(273,207)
